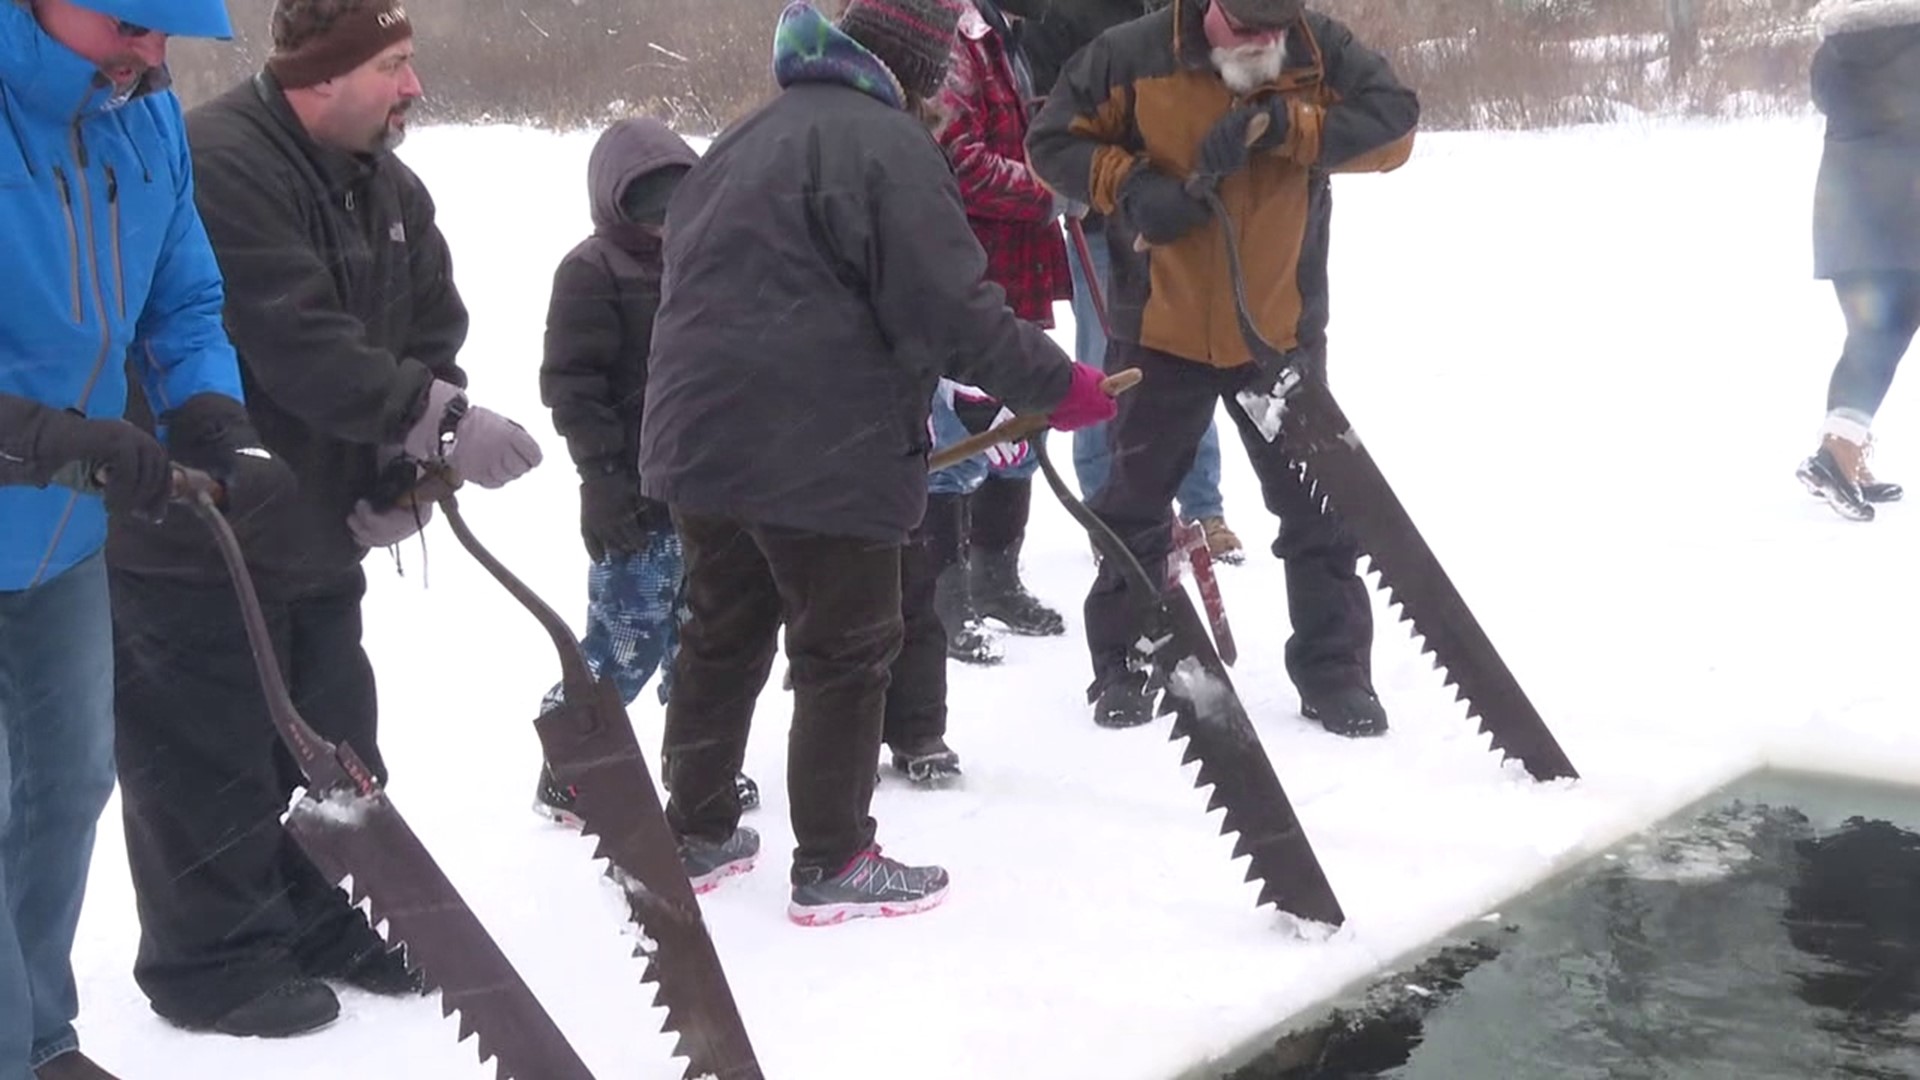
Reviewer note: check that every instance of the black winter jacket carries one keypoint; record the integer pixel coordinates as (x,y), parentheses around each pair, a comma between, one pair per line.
(341,302)
(593,374)
(820,278)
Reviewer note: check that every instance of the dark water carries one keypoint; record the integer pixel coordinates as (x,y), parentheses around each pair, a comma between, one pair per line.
(1770,932)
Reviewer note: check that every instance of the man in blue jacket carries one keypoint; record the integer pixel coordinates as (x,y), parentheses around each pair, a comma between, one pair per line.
(106,259)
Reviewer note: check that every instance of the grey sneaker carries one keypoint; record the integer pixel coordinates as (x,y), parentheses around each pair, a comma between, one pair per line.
(871,886)
(709,863)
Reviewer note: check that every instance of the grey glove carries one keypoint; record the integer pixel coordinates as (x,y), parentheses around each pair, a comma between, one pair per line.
(373,528)
(479,444)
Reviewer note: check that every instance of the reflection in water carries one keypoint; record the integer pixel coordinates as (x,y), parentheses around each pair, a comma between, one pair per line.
(1857,908)
(1745,943)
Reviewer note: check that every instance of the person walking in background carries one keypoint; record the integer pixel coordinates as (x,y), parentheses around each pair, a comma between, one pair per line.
(341,302)
(1866,229)
(792,449)
(97,137)
(594,377)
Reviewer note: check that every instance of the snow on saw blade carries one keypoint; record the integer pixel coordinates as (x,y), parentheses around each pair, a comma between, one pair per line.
(350,829)
(1207,713)
(1342,475)
(590,746)
(349,835)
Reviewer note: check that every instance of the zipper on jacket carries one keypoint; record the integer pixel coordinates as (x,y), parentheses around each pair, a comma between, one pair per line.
(113,242)
(93,266)
(73,236)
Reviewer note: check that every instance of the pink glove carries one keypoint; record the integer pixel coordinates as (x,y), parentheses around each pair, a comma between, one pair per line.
(1085,404)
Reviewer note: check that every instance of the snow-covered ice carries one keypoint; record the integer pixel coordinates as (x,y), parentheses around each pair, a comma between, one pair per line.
(1587,360)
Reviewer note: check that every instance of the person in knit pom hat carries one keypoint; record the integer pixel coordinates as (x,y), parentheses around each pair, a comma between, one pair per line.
(820,280)
(341,301)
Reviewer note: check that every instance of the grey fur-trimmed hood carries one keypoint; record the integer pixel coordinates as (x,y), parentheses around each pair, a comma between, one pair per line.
(1848,16)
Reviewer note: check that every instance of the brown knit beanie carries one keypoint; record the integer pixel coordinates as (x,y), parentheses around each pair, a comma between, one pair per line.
(914,38)
(317,40)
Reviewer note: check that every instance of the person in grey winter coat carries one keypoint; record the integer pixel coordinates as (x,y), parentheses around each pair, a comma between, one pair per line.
(594,378)
(820,279)
(1866,229)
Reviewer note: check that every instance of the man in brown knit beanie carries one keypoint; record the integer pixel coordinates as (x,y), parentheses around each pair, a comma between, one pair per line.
(347,69)
(341,302)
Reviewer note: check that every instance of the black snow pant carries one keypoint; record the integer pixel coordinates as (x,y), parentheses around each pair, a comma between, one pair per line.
(840,599)
(229,905)
(917,694)
(1882,309)
(1154,439)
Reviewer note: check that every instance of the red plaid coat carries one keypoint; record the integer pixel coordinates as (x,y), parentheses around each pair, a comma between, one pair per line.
(1010,210)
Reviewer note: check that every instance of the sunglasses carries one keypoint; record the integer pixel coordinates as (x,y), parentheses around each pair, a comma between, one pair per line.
(130,30)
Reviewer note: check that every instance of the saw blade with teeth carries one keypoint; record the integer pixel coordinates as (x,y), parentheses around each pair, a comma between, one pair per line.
(1342,476)
(362,838)
(590,747)
(1185,671)
(1194,688)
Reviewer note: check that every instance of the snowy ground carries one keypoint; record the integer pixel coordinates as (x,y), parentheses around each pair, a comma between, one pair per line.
(1588,361)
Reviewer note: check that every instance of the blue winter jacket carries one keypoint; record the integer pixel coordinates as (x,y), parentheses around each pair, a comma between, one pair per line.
(104,260)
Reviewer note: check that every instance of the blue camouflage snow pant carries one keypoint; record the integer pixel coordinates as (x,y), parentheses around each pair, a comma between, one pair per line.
(634,609)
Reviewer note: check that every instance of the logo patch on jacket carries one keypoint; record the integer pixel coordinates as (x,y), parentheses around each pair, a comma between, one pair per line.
(397,232)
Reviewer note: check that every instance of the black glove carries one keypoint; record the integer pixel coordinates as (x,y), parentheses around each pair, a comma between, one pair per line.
(1158,206)
(615,519)
(132,465)
(1225,149)
(212,433)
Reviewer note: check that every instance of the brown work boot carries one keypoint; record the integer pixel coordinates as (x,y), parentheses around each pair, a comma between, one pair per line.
(72,1065)
(1221,543)
(1834,473)
(1876,491)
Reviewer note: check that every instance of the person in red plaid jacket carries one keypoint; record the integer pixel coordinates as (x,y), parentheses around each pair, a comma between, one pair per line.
(988,90)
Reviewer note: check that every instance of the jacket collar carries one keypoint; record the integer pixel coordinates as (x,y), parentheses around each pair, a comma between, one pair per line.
(52,81)
(340,170)
(808,48)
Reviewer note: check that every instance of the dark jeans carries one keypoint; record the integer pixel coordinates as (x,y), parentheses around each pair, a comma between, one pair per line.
(1882,310)
(840,600)
(56,772)
(229,905)
(1154,438)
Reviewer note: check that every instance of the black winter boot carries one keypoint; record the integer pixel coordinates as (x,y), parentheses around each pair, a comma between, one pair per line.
(946,527)
(967,640)
(1352,712)
(1000,511)
(295,1007)
(1123,701)
(385,973)
(928,762)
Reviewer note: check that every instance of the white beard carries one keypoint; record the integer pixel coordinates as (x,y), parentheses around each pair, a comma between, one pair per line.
(1245,68)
